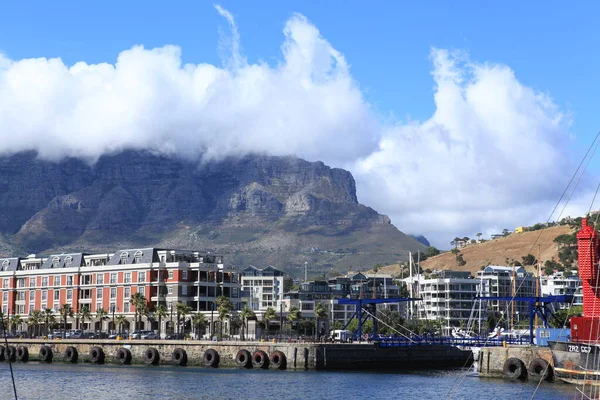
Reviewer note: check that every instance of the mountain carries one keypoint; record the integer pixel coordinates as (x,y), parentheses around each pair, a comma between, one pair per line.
(500,251)
(256,209)
(421,239)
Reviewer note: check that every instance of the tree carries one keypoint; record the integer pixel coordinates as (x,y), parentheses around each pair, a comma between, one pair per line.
(431,251)
(84,314)
(561,317)
(199,323)
(479,235)
(66,311)
(224,307)
(182,310)
(505,232)
(246,313)
(294,314)
(120,320)
(35,320)
(139,302)
(269,315)
(50,319)
(160,312)
(101,315)
(529,259)
(15,321)
(320,314)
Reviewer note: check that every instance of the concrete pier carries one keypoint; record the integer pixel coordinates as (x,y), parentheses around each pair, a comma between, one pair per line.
(299,356)
(490,360)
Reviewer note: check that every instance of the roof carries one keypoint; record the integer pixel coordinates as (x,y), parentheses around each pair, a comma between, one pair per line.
(63,261)
(9,264)
(148,255)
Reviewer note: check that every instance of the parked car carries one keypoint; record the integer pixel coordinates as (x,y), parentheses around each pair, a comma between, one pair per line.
(151,336)
(55,334)
(175,336)
(123,335)
(139,334)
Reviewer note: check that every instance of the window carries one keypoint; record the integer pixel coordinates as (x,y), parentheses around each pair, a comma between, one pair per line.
(5,265)
(69,280)
(98,306)
(44,281)
(55,262)
(31,295)
(32,282)
(113,293)
(5,296)
(69,294)
(68,261)
(6,284)
(21,296)
(56,280)
(170,274)
(21,282)
(86,279)
(142,290)
(100,279)
(113,308)
(31,308)
(126,307)
(138,257)
(44,295)
(127,277)
(127,293)
(56,295)
(184,290)
(124,257)
(141,277)
(56,308)
(184,275)
(21,309)
(170,290)
(99,293)
(5,310)
(113,277)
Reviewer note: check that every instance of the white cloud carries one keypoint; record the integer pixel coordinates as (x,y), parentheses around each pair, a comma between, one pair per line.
(491,155)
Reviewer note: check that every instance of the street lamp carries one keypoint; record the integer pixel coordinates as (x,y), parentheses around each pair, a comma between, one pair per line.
(113,317)
(171,323)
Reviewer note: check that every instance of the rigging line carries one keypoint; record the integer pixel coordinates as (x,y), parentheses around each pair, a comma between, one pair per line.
(593,200)
(12,375)
(591,325)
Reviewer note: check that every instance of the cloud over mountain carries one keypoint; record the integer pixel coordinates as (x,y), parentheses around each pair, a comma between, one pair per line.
(492,152)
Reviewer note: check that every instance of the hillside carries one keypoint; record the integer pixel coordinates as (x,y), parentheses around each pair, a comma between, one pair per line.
(497,251)
(256,209)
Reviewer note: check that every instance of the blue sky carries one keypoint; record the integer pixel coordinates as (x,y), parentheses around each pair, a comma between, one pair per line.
(549,46)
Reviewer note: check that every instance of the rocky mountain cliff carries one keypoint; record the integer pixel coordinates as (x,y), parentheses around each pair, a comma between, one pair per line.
(258,210)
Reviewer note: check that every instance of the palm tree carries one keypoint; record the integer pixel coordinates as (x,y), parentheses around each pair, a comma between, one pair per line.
(160,312)
(15,321)
(50,318)
(320,313)
(65,311)
(245,313)
(3,322)
(269,315)
(199,322)
(35,320)
(139,302)
(120,320)
(101,315)
(84,314)
(294,315)
(182,310)
(224,307)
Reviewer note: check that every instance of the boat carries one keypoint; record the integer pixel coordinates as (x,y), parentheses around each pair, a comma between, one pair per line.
(577,359)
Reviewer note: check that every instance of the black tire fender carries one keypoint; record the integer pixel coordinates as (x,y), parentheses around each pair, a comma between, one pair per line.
(22,353)
(211,358)
(514,369)
(260,359)
(243,359)
(278,360)
(11,353)
(97,355)
(71,355)
(179,357)
(46,354)
(123,356)
(151,356)
(540,369)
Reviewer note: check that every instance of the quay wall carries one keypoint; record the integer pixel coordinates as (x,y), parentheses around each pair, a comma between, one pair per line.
(299,356)
(490,360)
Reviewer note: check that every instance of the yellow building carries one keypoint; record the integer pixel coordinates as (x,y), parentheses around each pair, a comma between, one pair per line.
(520,229)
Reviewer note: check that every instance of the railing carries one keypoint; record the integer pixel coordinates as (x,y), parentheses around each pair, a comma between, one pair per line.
(448,341)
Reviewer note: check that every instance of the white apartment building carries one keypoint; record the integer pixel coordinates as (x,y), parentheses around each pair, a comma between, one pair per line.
(557,284)
(449,297)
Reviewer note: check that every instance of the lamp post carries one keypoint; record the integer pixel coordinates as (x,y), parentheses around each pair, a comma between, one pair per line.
(171,323)
(280,320)
(113,317)
(212,323)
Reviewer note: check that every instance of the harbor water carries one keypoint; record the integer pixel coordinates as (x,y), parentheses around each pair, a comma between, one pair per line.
(65,381)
